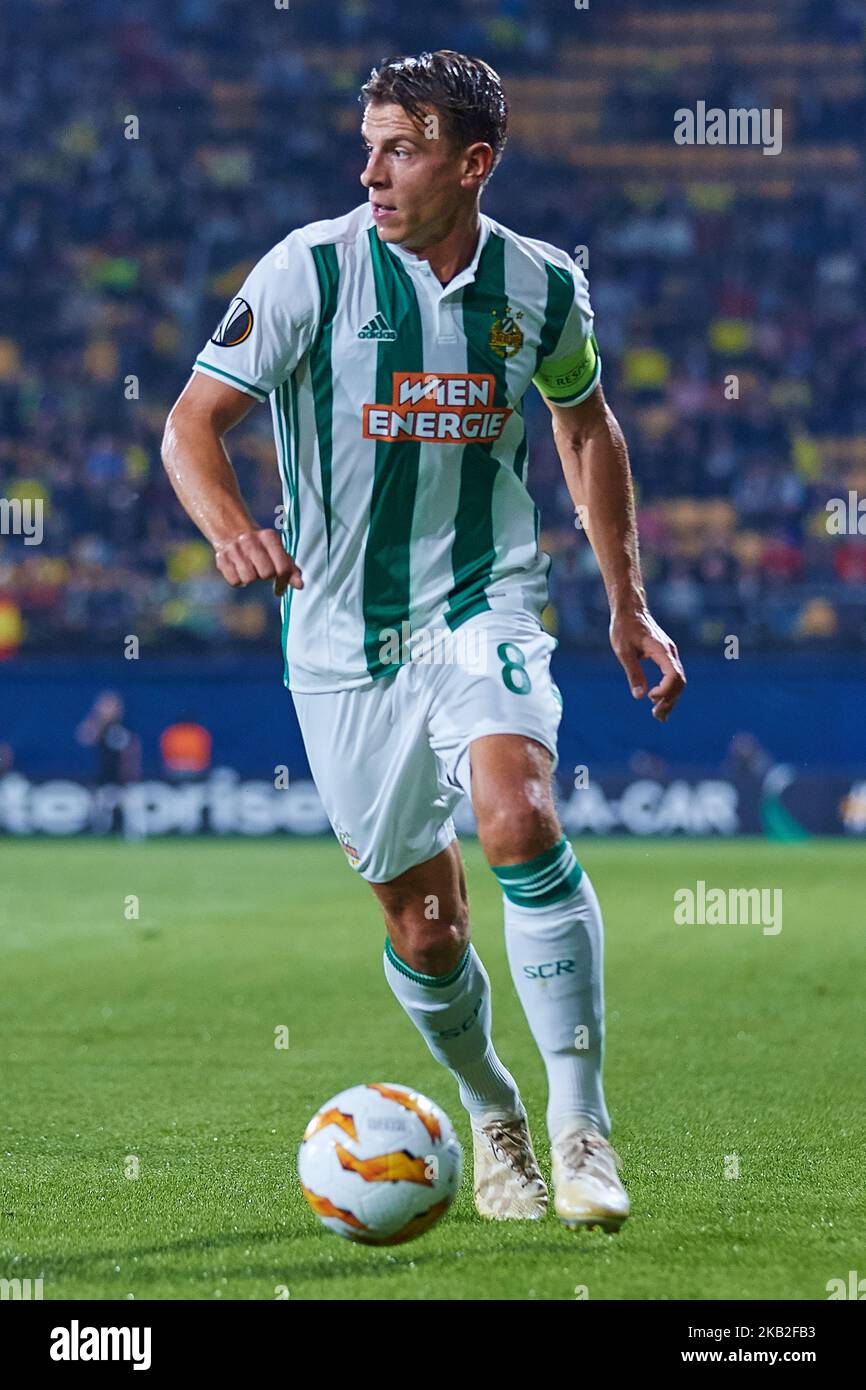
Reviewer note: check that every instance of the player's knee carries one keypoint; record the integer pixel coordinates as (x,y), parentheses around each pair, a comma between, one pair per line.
(430,936)
(518,829)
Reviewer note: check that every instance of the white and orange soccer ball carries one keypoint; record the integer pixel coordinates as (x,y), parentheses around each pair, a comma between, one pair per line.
(380,1164)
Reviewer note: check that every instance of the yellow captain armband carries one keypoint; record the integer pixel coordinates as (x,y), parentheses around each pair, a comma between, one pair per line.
(573,378)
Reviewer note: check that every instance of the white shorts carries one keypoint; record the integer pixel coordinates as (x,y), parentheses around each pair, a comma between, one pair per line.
(391,760)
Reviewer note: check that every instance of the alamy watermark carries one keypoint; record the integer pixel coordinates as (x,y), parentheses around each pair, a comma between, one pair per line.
(434,647)
(713,907)
(77,1343)
(739,125)
(846,516)
(20,1289)
(854,1288)
(22,516)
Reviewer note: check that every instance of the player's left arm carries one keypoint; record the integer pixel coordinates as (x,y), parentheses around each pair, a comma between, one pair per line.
(594,458)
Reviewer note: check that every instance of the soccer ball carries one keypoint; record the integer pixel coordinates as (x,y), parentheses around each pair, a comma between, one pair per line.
(379,1164)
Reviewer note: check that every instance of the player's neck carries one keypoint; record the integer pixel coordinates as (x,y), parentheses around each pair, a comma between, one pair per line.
(455,251)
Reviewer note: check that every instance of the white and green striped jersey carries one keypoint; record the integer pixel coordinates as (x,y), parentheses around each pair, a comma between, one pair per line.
(397,406)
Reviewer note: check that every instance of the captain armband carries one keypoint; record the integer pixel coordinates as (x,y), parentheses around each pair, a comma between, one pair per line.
(572,379)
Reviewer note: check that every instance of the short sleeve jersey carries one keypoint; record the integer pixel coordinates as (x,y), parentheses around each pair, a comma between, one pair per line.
(397,408)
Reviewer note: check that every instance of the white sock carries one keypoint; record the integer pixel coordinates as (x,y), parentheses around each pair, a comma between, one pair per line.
(453,1015)
(554,937)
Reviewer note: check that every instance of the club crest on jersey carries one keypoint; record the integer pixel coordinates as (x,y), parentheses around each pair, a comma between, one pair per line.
(345,839)
(439,407)
(235,326)
(506,338)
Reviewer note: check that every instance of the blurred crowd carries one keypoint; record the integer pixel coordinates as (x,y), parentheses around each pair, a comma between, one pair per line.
(152,152)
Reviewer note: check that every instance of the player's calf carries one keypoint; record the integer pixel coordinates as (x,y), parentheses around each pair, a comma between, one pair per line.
(553,926)
(449,1003)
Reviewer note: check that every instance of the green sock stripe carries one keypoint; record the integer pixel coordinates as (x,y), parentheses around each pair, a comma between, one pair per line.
(549,878)
(537,883)
(431,981)
(531,867)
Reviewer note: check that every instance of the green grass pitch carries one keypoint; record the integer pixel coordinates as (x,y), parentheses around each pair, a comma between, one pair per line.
(153,1039)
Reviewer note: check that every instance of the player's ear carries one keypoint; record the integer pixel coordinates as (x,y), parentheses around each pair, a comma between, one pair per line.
(477,163)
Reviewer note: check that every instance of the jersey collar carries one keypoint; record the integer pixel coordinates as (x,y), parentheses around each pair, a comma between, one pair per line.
(415,265)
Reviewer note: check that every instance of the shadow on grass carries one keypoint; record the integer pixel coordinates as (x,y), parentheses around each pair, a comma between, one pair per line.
(335,1258)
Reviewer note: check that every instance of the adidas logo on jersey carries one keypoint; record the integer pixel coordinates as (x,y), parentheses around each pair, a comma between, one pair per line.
(378,328)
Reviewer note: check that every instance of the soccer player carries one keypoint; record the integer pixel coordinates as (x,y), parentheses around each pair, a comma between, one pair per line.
(395,345)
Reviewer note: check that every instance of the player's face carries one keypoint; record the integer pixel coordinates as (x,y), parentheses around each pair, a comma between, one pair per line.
(418,184)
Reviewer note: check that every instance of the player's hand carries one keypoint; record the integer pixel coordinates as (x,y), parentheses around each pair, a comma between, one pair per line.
(257,555)
(637,637)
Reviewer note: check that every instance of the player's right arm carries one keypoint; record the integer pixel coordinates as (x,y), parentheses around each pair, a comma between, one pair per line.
(257,344)
(198,465)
